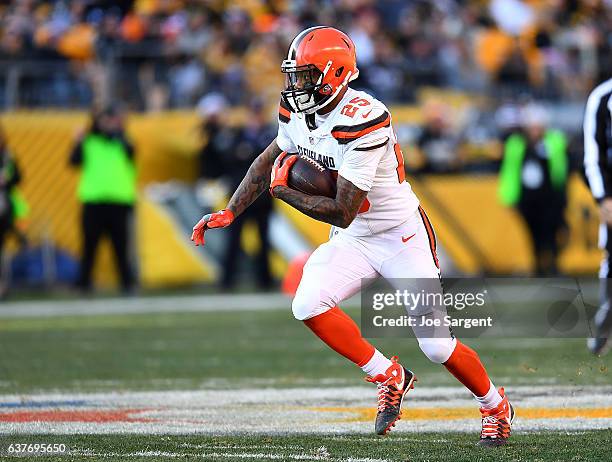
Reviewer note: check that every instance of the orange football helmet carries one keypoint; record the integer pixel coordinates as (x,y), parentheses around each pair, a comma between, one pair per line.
(321,61)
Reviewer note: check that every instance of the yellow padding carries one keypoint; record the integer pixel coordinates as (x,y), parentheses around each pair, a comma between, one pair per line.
(500,233)
(166,256)
(249,238)
(581,255)
(446,237)
(251,243)
(315,232)
(166,146)
(278,265)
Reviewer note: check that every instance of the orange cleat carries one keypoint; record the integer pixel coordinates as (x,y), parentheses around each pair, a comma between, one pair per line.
(496,423)
(392,387)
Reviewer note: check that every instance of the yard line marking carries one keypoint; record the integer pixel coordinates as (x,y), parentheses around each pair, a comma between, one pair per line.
(225,455)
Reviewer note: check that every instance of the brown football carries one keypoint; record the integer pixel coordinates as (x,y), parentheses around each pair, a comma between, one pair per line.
(311,177)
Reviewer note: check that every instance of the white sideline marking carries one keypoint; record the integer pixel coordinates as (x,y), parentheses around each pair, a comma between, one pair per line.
(141,305)
(144,305)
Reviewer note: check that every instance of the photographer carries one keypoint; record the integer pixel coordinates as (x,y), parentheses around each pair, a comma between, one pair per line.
(107,190)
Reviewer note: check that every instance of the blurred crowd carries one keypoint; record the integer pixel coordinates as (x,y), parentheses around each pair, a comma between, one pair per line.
(157,54)
(509,80)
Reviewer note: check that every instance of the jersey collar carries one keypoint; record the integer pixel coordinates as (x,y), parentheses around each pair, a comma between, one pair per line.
(325,127)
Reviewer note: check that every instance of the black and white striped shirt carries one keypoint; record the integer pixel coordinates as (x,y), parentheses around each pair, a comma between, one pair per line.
(598,140)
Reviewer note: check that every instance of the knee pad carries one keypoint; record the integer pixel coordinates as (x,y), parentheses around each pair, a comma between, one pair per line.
(438,350)
(309,303)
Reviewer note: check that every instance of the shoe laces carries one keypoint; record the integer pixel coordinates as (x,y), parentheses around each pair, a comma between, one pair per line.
(388,394)
(494,422)
(489,427)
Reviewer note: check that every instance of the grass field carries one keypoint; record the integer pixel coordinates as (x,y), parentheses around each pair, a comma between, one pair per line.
(257,385)
(452,447)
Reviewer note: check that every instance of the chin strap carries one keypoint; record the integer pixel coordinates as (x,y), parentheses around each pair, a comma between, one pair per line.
(349,78)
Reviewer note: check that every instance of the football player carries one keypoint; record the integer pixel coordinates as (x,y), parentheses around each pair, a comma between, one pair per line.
(598,169)
(378,226)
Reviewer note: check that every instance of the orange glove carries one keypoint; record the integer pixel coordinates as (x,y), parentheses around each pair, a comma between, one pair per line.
(280,171)
(219,219)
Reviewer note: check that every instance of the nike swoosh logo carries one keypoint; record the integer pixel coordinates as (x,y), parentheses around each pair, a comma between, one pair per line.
(406,239)
(400,378)
(365,115)
(403,383)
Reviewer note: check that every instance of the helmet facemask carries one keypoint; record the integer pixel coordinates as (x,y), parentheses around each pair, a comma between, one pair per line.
(304,88)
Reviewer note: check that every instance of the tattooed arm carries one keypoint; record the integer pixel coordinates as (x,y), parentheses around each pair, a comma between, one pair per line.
(339,211)
(256,181)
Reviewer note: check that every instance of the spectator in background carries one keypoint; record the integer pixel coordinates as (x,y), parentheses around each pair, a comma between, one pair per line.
(533,179)
(186,79)
(9,178)
(366,26)
(544,48)
(107,190)
(252,139)
(219,138)
(196,36)
(507,120)
(513,75)
(385,74)
(437,142)
(600,24)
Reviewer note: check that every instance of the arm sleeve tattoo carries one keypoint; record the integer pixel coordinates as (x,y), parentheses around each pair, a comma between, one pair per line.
(340,211)
(256,181)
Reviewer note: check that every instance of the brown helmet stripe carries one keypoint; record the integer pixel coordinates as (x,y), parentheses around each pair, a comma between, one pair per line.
(292,54)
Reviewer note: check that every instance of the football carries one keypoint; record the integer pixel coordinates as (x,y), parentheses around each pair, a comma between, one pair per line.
(311,177)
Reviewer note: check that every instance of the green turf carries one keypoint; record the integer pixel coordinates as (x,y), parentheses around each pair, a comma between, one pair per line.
(169,351)
(550,446)
(194,350)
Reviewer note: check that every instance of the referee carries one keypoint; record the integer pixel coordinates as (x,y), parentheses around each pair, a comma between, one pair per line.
(598,170)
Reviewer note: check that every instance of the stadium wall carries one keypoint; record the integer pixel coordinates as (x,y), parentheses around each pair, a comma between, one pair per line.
(477,233)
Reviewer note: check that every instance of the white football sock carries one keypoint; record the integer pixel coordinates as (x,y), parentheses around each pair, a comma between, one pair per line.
(378,364)
(491,400)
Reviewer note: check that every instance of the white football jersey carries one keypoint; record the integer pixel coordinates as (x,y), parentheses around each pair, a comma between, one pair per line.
(357,141)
